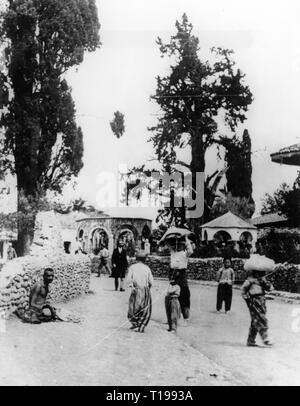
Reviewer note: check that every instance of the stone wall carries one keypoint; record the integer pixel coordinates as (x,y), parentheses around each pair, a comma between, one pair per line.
(71,272)
(283,278)
(72,278)
(198,269)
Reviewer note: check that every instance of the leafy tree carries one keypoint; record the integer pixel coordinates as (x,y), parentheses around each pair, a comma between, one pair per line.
(239,165)
(118,124)
(194,97)
(285,201)
(43,39)
(240,206)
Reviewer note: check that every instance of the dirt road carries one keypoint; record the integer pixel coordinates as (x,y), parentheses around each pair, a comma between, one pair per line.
(103,351)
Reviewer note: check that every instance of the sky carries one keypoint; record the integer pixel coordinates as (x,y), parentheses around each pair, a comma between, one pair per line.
(121,76)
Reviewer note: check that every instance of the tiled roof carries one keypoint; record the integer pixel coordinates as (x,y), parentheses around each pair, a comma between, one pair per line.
(229,220)
(268,219)
(290,149)
(288,155)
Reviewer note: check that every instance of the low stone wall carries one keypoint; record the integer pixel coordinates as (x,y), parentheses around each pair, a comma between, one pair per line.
(283,278)
(198,268)
(72,278)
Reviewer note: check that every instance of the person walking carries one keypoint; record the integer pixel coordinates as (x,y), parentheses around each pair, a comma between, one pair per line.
(172,305)
(225,278)
(253,292)
(180,250)
(104,258)
(140,280)
(119,265)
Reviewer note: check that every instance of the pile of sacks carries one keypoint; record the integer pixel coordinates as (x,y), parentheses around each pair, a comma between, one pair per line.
(72,279)
(72,272)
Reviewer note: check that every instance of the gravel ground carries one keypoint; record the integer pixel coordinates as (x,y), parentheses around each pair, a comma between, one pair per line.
(101,350)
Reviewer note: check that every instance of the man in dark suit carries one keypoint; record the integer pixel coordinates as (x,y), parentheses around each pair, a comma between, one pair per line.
(119,265)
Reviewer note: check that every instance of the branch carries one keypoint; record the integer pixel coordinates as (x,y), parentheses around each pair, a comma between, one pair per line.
(182,164)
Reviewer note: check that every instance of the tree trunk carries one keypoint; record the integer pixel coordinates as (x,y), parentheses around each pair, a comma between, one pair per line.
(24,242)
(26,222)
(197,166)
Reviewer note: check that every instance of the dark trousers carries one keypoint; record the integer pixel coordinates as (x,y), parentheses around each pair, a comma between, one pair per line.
(184,299)
(224,294)
(117,283)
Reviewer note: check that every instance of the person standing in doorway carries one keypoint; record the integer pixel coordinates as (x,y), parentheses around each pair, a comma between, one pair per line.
(119,265)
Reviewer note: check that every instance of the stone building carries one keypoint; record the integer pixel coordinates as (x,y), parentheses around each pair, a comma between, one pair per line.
(107,230)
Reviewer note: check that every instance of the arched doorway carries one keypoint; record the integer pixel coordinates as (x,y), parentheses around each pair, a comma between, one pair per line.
(128,239)
(146,236)
(222,237)
(246,238)
(99,237)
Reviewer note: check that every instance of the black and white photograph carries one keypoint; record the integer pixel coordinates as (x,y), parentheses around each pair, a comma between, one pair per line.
(149,195)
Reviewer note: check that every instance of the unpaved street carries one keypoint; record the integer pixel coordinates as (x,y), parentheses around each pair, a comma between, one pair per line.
(101,350)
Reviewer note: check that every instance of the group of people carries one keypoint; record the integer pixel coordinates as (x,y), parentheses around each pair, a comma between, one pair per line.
(177,298)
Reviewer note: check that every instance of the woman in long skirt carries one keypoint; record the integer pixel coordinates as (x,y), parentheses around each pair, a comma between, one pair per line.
(140,280)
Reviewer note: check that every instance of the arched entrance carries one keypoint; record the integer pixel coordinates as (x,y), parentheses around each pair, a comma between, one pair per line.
(128,238)
(99,237)
(246,238)
(146,236)
(222,237)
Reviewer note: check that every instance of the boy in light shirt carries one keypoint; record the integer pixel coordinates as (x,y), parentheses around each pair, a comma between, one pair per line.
(225,277)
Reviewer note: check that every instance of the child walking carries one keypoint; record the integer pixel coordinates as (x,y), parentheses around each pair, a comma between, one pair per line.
(172,305)
(225,277)
(253,291)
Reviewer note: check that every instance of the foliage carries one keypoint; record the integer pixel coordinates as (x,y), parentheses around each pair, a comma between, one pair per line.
(239,166)
(285,201)
(240,206)
(118,124)
(194,96)
(280,245)
(43,39)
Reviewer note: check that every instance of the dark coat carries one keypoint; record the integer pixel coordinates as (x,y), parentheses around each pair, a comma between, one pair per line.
(120,262)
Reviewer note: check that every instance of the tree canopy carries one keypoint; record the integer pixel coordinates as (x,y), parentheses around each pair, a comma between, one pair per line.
(43,39)
(195,97)
(118,124)
(286,201)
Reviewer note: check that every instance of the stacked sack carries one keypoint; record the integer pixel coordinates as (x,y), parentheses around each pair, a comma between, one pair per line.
(71,272)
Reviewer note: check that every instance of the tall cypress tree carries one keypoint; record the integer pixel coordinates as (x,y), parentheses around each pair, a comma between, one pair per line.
(43,39)
(239,166)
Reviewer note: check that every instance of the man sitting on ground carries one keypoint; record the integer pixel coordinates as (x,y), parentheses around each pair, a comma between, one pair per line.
(39,311)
